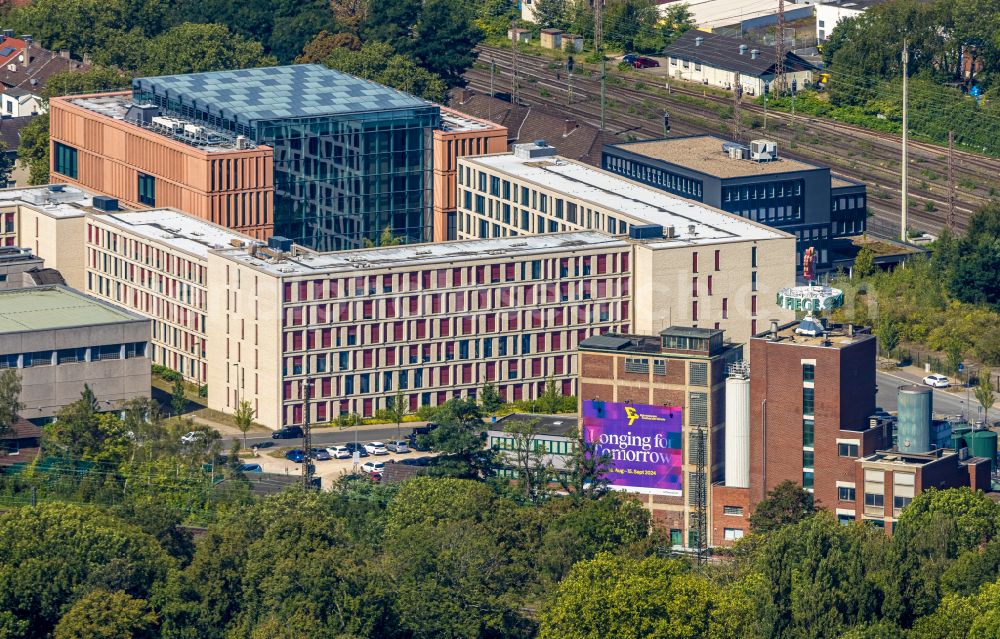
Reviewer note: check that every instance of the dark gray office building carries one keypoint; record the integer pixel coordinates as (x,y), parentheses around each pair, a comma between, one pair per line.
(350,156)
(752,181)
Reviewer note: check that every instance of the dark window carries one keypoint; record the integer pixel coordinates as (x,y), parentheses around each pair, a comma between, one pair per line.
(845,494)
(147,189)
(901,502)
(808,372)
(807,432)
(807,401)
(874,499)
(65,161)
(807,479)
(847,450)
(135,349)
(808,459)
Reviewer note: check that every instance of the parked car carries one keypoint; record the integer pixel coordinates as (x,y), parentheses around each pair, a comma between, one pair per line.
(251,468)
(642,62)
(373,467)
(288,432)
(629,58)
(417,461)
(192,437)
(376,448)
(375,477)
(320,454)
(937,381)
(359,448)
(398,446)
(339,452)
(296,455)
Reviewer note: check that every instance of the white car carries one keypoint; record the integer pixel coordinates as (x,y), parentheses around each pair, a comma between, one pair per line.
(192,437)
(339,452)
(937,381)
(373,467)
(376,448)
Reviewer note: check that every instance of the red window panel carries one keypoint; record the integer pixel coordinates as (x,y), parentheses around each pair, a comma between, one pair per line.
(709,284)
(390,308)
(536,367)
(694,287)
(296,340)
(557,366)
(753,327)
(359,286)
(425,279)
(367,410)
(326,387)
(550,293)
(345,312)
(311,339)
(694,262)
(456,277)
(303,290)
(413,281)
(480,275)
(390,357)
(536,318)
(491,323)
(581,314)
(367,356)
(368,309)
(540,342)
(602,264)
(321,409)
(444,327)
(421,329)
(483,298)
(494,273)
(556,341)
(397,331)
(442,278)
(518,392)
(512,323)
(287,390)
(466,325)
(718,257)
(436,303)
(624,268)
(321,314)
(460,302)
(288,292)
(333,288)
(505,297)
(563,291)
(414,302)
(558,316)
(318,289)
(725,308)
(509,274)
(753,304)
(602,288)
(625,310)
(491,371)
(694,311)
(444,374)
(386,283)
(567,387)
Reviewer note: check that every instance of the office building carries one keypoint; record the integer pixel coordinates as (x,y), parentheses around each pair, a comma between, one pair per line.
(351,157)
(146,157)
(680,367)
(15,264)
(755,182)
(432,321)
(694,265)
(58,340)
(459,135)
(554,441)
(155,263)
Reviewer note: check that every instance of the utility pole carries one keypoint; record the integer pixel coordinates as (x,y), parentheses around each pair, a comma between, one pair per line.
(906,133)
(951,180)
(604,77)
(599,25)
(701,507)
(737,121)
(307,465)
(569,72)
(513,63)
(779,51)
(765,112)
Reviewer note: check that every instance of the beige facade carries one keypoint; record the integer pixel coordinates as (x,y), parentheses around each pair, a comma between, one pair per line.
(156,264)
(700,266)
(432,322)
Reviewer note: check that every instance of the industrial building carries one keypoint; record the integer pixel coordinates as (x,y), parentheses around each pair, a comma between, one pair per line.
(58,340)
(715,60)
(555,438)
(679,367)
(753,181)
(693,264)
(829,13)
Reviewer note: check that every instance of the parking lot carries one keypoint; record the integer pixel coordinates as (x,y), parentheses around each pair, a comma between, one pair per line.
(272,460)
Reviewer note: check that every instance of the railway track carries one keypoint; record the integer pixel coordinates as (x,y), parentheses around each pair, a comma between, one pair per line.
(850,151)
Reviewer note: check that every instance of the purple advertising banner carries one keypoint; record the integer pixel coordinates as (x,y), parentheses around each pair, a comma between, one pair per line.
(643,442)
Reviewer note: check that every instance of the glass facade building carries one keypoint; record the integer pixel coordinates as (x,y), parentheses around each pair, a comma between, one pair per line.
(351,157)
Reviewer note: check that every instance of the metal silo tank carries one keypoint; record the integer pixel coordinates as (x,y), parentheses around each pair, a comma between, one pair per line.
(983,443)
(738,432)
(916,406)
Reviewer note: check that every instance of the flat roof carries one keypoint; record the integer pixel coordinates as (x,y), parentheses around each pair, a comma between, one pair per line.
(270,93)
(703,153)
(116,106)
(557,425)
(416,255)
(452,120)
(51,307)
(173,228)
(63,202)
(837,336)
(693,222)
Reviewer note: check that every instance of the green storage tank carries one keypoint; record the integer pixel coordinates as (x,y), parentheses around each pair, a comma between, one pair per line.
(958,438)
(983,443)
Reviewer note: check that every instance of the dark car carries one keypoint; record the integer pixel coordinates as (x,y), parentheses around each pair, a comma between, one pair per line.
(358,448)
(320,454)
(642,62)
(630,58)
(288,432)
(296,455)
(416,461)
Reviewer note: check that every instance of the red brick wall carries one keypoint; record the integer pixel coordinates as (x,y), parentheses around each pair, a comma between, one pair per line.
(728,496)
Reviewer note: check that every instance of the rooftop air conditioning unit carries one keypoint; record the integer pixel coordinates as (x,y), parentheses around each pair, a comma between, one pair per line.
(194,130)
(763,150)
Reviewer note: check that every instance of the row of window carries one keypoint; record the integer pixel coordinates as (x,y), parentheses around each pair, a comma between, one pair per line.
(73,355)
(540,444)
(145,254)
(660,178)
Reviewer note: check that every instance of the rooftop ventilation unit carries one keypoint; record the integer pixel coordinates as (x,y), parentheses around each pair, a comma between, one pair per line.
(645,231)
(105,203)
(754,53)
(279,243)
(743,49)
(698,41)
(537,149)
(242,142)
(763,150)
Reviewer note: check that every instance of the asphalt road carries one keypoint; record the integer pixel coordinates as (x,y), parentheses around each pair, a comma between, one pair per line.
(323,437)
(945,402)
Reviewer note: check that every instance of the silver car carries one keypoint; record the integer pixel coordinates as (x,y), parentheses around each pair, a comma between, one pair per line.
(398,446)
(376,448)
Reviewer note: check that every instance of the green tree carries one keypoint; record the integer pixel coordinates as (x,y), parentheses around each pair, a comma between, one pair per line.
(864,262)
(378,61)
(390,21)
(586,471)
(984,393)
(324,44)
(972,569)
(142,421)
(54,552)
(888,336)
(79,430)
(490,399)
(632,25)
(551,398)
(10,399)
(609,597)
(398,411)
(444,39)
(178,398)
(528,457)
(107,615)
(160,520)
(551,14)
(244,418)
(193,48)
(786,504)
(677,21)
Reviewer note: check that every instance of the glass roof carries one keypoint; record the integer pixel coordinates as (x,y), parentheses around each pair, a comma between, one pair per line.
(295,91)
